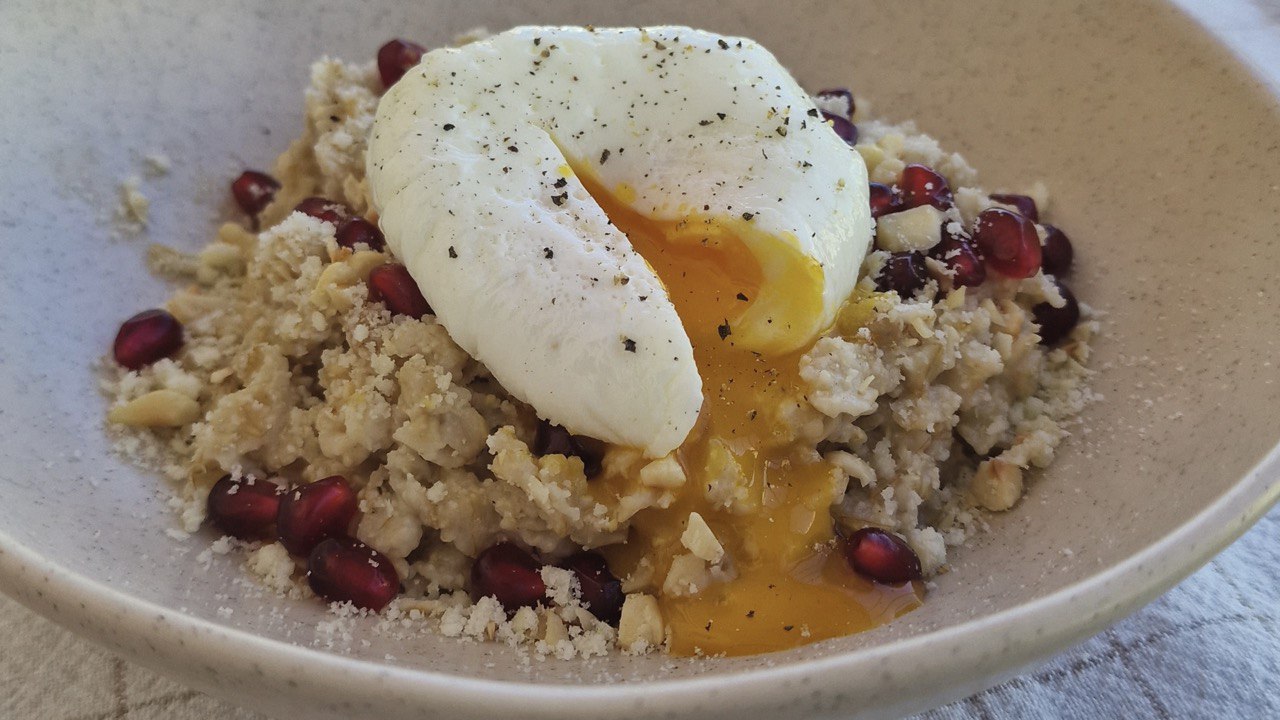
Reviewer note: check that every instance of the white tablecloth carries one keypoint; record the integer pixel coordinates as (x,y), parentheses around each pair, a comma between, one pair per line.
(1210,648)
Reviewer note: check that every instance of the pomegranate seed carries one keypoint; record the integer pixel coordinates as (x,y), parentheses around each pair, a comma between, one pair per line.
(552,439)
(510,574)
(881,556)
(393,286)
(254,190)
(957,253)
(884,200)
(1057,252)
(396,58)
(601,591)
(921,185)
(841,94)
(1008,242)
(1056,323)
(342,569)
(324,209)
(315,512)
(847,131)
(147,337)
(357,230)
(244,507)
(904,273)
(1026,206)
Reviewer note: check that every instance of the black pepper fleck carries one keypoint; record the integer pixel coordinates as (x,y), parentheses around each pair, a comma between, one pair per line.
(547,253)
(561,183)
(453,254)
(604,157)
(629,345)
(742,297)
(723,45)
(724,330)
(447,127)
(748,216)
(560,199)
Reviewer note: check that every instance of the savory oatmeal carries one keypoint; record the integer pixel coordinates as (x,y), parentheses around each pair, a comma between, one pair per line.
(307,392)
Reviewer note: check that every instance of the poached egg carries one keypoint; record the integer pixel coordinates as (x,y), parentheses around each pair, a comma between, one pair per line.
(504,171)
(640,232)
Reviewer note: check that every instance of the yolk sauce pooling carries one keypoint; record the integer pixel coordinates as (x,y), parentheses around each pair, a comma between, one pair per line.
(790,585)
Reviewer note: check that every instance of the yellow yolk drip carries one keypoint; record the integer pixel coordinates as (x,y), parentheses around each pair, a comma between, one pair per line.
(789,585)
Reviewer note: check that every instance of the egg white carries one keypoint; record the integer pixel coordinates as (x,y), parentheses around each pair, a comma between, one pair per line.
(468,168)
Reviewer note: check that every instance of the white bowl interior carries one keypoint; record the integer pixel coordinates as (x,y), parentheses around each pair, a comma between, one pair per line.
(1159,152)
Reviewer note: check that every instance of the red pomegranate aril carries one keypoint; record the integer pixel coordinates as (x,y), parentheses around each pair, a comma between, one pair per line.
(904,273)
(922,185)
(355,231)
(315,512)
(324,209)
(509,573)
(254,190)
(847,131)
(881,556)
(393,286)
(884,200)
(551,439)
(1057,323)
(841,94)
(342,569)
(957,253)
(601,590)
(1057,253)
(147,337)
(244,507)
(1026,206)
(397,57)
(1008,242)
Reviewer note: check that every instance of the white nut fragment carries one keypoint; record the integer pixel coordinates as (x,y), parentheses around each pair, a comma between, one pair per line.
(888,171)
(688,575)
(640,628)
(919,228)
(338,276)
(997,485)
(158,408)
(872,156)
(701,541)
(663,473)
(219,258)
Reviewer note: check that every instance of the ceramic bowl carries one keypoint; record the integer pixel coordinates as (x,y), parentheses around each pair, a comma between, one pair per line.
(1160,153)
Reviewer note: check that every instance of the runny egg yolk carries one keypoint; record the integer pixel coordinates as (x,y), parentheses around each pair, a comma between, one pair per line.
(788,583)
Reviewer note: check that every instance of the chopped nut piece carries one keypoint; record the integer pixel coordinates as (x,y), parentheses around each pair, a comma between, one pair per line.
(688,576)
(919,228)
(663,473)
(997,485)
(641,627)
(158,408)
(701,541)
(219,258)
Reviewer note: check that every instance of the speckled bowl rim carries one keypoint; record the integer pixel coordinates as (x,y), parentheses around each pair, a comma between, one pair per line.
(1026,632)
(1051,622)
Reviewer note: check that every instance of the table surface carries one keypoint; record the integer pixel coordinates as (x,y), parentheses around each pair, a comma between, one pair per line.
(1209,648)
